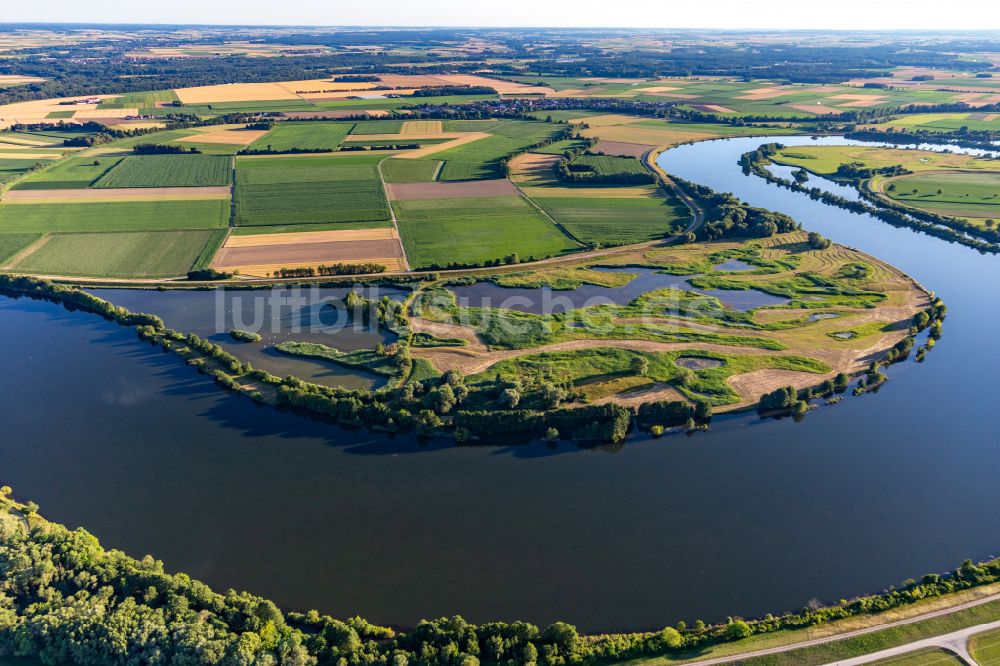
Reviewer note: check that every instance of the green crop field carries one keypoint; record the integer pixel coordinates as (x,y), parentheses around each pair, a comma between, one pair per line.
(481,159)
(469,125)
(114,216)
(274,105)
(409,171)
(302,190)
(472,231)
(138,100)
(947,122)
(617,221)
(985,648)
(127,254)
(168,171)
(12,168)
(311,135)
(606,165)
(70,173)
(957,194)
(377,127)
(932,657)
(11,244)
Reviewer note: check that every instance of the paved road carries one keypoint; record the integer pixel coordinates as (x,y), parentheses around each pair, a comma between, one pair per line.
(909,647)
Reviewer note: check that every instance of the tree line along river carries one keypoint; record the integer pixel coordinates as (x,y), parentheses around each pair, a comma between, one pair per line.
(755,516)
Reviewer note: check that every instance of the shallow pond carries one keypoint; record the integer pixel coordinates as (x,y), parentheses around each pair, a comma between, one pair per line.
(308,314)
(545,300)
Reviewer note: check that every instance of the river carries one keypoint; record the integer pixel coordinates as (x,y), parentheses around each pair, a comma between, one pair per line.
(755,516)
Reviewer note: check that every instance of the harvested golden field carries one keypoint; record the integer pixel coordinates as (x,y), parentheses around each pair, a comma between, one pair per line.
(468,137)
(303,237)
(623,149)
(234,137)
(421,128)
(309,87)
(91,114)
(16,80)
(607,120)
(659,137)
(263,254)
(32,156)
(533,169)
(412,80)
(762,93)
(234,92)
(502,87)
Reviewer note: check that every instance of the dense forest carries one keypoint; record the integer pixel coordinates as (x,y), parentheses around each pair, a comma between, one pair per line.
(106,64)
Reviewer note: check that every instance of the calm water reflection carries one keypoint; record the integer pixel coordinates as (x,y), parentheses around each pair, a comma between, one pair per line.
(107,432)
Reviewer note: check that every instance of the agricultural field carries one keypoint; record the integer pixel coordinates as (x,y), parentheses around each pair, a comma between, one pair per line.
(825,160)
(943,122)
(476,230)
(364,127)
(931,657)
(606,165)
(261,255)
(726,97)
(13,244)
(70,173)
(595,214)
(949,184)
(480,158)
(146,254)
(409,171)
(309,189)
(957,194)
(13,168)
(168,171)
(601,221)
(985,648)
(305,136)
(114,216)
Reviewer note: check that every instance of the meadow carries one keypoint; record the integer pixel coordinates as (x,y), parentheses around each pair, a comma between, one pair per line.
(438,232)
(12,168)
(481,159)
(147,254)
(985,648)
(310,135)
(607,165)
(168,171)
(114,216)
(409,171)
(825,160)
(69,173)
(12,244)
(603,220)
(299,190)
(945,122)
(959,194)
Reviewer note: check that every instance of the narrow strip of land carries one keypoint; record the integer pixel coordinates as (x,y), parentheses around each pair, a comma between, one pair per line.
(861,632)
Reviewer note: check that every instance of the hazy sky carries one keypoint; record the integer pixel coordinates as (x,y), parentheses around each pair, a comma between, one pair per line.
(782,14)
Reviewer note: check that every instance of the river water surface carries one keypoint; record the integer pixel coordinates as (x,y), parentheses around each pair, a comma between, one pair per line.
(753,517)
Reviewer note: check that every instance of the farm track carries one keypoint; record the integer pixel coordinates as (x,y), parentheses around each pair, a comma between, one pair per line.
(28,251)
(392,213)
